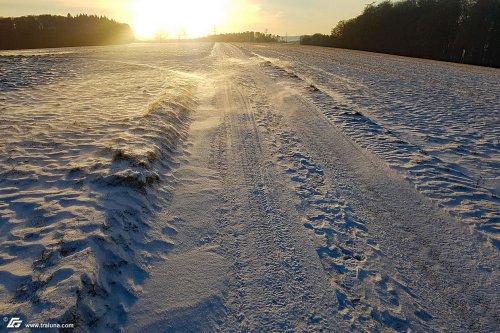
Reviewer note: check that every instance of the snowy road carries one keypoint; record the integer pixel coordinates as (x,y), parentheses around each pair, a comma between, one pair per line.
(283,223)
(292,199)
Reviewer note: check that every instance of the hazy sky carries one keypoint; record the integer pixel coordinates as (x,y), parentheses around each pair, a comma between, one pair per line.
(198,17)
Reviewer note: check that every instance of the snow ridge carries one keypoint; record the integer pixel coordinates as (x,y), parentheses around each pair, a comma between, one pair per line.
(80,208)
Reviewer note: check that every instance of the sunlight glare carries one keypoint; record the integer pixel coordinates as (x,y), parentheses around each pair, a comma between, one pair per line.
(177,18)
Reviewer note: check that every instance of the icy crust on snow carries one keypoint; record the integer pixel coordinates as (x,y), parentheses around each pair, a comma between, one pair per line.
(437,122)
(88,145)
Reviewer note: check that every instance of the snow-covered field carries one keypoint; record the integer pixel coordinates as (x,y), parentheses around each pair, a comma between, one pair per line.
(201,187)
(437,122)
(89,137)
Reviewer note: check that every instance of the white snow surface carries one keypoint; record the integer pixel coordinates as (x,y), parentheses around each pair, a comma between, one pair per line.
(89,139)
(437,122)
(199,187)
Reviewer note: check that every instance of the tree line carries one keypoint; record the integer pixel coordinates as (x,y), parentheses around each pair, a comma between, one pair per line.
(248,36)
(44,31)
(466,31)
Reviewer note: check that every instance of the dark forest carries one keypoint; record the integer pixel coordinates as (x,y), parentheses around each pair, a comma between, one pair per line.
(45,31)
(466,31)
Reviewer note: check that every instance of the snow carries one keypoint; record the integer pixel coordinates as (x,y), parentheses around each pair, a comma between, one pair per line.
(89,139)
(437,122)
(247,187)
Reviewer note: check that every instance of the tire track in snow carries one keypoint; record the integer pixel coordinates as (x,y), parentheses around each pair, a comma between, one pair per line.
(368,299)
(459,193)
(273,285)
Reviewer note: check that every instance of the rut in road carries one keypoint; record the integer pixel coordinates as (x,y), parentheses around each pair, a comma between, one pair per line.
(275,283)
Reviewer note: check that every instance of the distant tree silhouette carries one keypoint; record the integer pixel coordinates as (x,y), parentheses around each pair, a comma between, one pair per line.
(248,36)
(452,30)
(316,39)
(60,31)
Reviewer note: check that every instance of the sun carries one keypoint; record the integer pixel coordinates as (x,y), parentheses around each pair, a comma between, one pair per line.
(177,18)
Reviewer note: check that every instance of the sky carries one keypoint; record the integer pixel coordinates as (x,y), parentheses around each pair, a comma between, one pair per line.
(194,18)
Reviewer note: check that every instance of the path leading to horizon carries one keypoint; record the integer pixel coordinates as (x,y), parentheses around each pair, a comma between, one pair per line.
(283,222)
(201,187)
